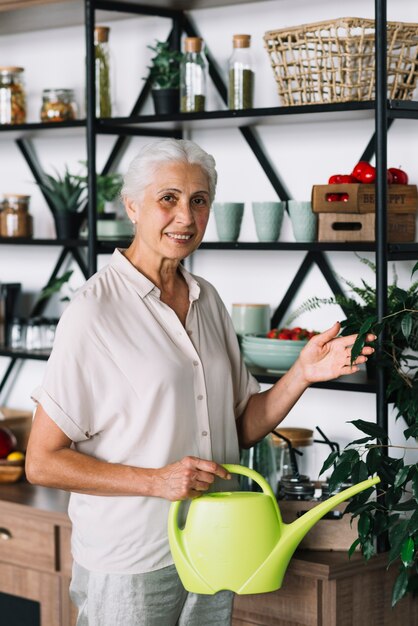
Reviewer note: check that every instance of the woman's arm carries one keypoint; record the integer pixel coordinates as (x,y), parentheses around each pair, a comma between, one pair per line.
(323,358)
(50,461)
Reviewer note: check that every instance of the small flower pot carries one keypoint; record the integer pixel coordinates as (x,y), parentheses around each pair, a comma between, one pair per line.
(166,101)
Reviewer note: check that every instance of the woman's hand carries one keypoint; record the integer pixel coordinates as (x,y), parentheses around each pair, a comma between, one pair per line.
(327,356)
(187,478)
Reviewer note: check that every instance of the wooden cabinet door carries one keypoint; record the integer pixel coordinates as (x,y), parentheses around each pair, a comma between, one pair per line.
(33,585)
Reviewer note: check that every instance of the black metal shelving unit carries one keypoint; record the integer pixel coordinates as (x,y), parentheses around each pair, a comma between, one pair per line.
(136,124)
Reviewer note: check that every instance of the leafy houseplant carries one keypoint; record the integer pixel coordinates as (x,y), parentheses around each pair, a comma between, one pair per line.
(164,73)
(108,187)
(66,197)
(395,509)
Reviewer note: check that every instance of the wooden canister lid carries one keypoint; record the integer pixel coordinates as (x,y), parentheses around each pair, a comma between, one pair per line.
(101,34)
(193,44)
(11,69)
(298,437)
(241,41)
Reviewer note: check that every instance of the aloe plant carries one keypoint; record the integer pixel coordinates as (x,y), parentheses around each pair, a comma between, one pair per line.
(65,193)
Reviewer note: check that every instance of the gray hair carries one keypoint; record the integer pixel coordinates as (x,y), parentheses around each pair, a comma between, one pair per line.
(162,151)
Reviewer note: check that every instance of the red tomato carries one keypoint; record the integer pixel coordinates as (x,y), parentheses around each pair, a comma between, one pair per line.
(335,179)
(272,334)
(348,178)
(296,329)
(284,334)
(364,172)
(333,197)
(399,177)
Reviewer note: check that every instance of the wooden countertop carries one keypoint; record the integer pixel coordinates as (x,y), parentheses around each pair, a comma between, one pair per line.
(307,563)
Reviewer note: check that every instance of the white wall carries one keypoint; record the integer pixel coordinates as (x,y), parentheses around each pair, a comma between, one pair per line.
(303,153)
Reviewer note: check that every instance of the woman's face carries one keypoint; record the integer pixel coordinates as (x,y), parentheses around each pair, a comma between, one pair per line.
(172,214)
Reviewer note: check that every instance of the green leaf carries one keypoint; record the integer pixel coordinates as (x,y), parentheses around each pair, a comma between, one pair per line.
(340,474)
(406,326)
(401,476)
(360,441)
(370,428)
(412,431)
(359,472)
(415,484)
(408,505)
(368,549)
(353,547)
(399,588)
(328,462)
(407,552)
(413,523)
(364,525)
(373,460)
(414,269)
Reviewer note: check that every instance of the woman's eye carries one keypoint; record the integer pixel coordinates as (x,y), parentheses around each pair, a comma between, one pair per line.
(199,201)
(167,198)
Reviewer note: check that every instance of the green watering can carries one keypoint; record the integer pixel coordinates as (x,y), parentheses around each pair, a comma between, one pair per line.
(237,540)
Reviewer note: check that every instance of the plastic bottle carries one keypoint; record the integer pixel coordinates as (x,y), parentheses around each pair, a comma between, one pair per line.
(193,76)
(240,74)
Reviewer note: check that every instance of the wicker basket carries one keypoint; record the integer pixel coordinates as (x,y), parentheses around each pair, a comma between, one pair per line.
(334,61)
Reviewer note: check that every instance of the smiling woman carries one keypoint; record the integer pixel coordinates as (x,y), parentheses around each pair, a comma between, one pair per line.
(146,397)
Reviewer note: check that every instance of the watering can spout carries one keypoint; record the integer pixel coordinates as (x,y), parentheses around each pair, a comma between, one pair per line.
(304,523)
(292,534)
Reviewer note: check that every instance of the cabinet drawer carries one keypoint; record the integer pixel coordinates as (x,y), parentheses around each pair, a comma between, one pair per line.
(27,541)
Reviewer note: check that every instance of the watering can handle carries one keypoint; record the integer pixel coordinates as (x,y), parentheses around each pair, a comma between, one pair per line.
(250,473)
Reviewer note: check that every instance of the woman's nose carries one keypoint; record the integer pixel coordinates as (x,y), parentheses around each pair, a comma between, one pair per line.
(184,214)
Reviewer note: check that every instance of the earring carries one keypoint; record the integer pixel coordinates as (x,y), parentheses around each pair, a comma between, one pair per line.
(133,221)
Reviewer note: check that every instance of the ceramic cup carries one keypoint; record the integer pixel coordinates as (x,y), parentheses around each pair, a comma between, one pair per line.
(304,220)
(250,318)
(228,218)
(268,218)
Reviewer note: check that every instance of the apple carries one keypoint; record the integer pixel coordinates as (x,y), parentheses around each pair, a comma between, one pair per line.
(7,441)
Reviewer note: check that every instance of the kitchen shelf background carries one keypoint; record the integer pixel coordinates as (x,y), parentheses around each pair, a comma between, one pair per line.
(304,148)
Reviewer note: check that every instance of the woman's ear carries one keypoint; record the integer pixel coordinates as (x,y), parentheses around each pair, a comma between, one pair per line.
(131,209)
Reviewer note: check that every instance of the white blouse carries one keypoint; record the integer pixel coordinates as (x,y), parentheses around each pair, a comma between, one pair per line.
(129,384)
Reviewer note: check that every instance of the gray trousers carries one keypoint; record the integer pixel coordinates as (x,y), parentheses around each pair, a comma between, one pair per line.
(153,599)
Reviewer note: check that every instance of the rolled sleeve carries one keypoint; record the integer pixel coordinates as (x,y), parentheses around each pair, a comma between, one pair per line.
(59,416)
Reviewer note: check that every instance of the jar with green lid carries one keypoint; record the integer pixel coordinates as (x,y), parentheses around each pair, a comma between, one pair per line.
(15,219)
(240,74)
(193,76)
(58,105)
(12,96)
(102,69)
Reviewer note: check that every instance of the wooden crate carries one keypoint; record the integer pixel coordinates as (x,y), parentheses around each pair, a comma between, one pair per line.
(362,198)
(333,532)
(361,227)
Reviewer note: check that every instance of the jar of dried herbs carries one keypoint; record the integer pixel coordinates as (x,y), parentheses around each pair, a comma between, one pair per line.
(193,76)
(15,219)
(12,96)
(240,74)
(58,105)
(102,63)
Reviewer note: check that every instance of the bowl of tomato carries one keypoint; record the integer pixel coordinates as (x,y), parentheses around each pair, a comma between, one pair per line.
(277,350)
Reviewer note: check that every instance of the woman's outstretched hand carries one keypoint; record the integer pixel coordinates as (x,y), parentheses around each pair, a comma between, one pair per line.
(327,356)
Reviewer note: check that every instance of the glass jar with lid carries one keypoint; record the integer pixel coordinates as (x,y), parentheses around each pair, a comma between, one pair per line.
(12,96)
(58,105)
(240,74)
(102,70)
(193,76)
(15,219)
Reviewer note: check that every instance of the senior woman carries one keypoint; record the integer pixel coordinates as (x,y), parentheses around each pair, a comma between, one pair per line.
(145,396)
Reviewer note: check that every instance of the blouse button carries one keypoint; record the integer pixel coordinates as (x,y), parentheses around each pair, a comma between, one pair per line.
(204,433)
(200,397)
(196,363)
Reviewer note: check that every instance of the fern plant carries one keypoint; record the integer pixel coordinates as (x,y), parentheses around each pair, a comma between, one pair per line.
(394,510)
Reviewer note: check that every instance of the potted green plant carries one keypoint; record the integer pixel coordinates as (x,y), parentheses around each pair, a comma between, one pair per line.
(394,509)
(164,73)
(67,196)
